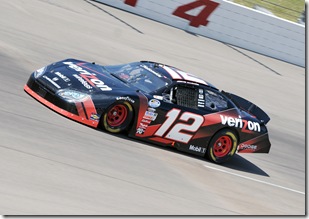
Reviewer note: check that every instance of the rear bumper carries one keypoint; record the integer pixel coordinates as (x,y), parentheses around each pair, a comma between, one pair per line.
(260,144)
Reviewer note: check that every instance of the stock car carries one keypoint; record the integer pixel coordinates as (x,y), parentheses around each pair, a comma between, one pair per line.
(153,102)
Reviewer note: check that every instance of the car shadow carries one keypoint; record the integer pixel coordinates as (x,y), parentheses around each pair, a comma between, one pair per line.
(237,163)
(241,164)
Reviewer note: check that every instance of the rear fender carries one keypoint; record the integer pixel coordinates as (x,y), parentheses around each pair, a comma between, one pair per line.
(248,107)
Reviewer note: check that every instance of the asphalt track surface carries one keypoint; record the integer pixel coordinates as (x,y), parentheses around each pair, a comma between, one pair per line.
(50,165)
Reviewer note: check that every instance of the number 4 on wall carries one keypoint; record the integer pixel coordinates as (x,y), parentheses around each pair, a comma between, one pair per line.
(201,18)
(131,2)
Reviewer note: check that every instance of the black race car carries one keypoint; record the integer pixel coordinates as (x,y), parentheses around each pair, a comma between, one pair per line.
(153,102)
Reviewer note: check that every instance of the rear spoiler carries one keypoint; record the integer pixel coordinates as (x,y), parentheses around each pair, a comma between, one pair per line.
(248,107)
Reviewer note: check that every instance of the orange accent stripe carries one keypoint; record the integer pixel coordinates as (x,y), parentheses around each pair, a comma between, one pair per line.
(89,107)
(143,104)
(80,110)
(162,140)
(63,112)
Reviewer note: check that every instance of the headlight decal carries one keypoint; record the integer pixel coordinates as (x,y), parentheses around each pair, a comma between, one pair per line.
(71,95)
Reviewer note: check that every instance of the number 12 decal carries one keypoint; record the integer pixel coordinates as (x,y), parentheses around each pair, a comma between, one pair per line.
(175,133)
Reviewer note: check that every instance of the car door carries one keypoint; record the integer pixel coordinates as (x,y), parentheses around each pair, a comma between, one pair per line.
(172,123)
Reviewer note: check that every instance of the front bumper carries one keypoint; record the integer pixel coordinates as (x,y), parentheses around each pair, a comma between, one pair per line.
(83,111)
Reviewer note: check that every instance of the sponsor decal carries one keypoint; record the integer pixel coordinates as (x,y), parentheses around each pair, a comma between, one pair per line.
(51,81)
(240,123)
(154,103)
(89,77)
(146,121)
(94,117)
(197,149)
(150,116)
(82,81)
(140,131)
(201,101)
(55,79)
(63,77)
(125,98)
(143,126)
(147,118)
(151,109)
(158,97)
(247,146)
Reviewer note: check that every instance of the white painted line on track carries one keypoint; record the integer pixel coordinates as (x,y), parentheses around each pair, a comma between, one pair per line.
(256,180)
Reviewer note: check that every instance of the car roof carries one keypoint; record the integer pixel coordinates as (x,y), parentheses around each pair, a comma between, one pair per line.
(176,74)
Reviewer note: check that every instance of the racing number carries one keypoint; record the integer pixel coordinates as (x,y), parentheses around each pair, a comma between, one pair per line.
(195,21)
(131,2)
(201,18)
(178,74)
(190,77)
(175,133)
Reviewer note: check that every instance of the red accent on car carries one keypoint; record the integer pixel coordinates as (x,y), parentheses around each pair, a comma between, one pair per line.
(80,110)
(143,105)
(252,145)
(89,107)
(151,130)
(162,140)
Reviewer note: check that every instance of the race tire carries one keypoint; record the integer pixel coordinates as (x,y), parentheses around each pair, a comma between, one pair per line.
(222,146)
(118,117)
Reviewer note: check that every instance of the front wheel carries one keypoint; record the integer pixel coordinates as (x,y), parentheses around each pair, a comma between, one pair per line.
(222,146)
(118,117)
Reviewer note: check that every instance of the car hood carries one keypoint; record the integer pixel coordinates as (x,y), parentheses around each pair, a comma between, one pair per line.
(82,76)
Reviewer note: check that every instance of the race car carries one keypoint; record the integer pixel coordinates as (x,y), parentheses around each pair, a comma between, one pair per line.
(153,102)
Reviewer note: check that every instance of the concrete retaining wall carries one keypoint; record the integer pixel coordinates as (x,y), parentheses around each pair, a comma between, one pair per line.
(227,22)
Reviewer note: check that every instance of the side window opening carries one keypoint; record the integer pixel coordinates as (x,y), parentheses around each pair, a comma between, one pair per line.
(187,96)
(195,97)
(215,101)
(183,95)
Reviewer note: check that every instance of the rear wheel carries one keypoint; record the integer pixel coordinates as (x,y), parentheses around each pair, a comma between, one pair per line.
(118,117)
(222,146)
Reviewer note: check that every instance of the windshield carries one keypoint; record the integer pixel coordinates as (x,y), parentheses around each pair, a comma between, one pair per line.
(140,75)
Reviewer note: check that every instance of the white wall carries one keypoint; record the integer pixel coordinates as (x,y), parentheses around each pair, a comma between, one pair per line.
(230,23)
